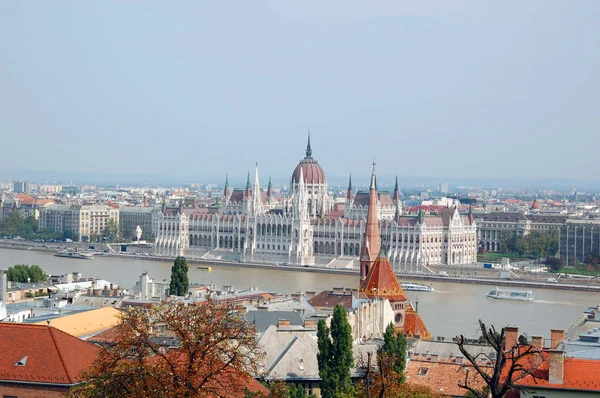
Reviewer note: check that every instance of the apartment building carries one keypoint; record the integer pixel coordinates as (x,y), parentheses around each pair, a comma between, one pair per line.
(492,225)
(133,216)
(84,221)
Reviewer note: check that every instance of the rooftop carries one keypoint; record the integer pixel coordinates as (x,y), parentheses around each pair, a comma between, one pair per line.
(42,354)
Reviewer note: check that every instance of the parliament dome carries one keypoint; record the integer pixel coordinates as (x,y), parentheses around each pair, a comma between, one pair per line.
(309,168)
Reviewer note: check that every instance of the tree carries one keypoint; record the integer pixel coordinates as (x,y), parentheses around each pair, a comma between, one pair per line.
(179,277)
(112,231)
(22,273)
(554,263)
(335,355)
(297,391)
(389,376)
(215,352)
(510,364)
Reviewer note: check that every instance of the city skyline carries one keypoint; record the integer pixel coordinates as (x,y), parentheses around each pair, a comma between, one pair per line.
(471,90)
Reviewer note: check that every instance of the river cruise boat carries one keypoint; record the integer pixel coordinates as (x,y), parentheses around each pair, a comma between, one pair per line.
(75,254)
(416,287)
(508,294)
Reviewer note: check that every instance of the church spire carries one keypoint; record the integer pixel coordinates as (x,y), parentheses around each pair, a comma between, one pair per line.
(226,192)
(308,148)
(350,194)
(372,238)
(396,191)
(248,187)
(256,193)
(270,189)
(256,182)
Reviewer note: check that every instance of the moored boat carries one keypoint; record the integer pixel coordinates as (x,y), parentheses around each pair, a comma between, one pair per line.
(411,286)
(75,254)
(509,294)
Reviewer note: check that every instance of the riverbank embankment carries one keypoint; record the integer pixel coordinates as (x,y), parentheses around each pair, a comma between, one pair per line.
(522,282)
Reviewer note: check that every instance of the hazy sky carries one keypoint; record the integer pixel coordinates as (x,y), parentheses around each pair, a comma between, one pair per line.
(448,88)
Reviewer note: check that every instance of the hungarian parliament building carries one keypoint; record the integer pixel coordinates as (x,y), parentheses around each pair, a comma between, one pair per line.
(308,227)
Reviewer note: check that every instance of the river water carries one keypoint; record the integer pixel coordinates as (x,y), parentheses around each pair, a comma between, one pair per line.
(454,308)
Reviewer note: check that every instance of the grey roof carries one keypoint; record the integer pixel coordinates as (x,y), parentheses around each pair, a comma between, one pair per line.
(136,209)
(302,306)
(448,349)
(547,218)
(263,319)
(292,355)
(579,349)
(500,216)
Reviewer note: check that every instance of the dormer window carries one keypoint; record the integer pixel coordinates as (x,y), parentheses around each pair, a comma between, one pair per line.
(22,362)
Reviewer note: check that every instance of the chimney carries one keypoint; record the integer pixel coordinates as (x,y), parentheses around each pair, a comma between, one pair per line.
(537,343)
(3,287)
(283,324)
(338,290)
(556,368)
(435,357)
(511,337)
(310,323)
(557,337)
(297,296)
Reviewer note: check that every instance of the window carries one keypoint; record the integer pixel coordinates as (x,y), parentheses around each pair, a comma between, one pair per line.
(423,371)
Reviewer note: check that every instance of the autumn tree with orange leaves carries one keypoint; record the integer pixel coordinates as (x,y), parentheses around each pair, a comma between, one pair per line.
(213,352)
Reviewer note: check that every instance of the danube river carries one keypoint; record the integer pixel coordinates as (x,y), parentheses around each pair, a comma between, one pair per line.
(452,309)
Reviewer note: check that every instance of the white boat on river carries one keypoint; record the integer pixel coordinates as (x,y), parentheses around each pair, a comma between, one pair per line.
(416,287)
(509,294)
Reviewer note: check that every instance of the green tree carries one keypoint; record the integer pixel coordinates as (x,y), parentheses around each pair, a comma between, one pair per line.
(297,391)
(21,273)
(394,351)
(179,277)
(112,231)
(388,377)
(335,355)
(554,263)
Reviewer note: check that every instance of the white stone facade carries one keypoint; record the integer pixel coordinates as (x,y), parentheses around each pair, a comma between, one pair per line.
(306,230)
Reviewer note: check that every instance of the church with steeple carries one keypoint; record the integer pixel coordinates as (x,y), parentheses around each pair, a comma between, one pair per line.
(378,279)
(308,227)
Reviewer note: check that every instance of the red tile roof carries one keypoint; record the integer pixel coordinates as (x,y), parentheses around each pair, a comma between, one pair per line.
(414,325)
(362,198)
(329,299)
(53,356)
(579,374)
(381,277)
(443,376)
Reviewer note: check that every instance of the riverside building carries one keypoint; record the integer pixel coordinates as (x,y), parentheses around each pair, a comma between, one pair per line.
(308,227)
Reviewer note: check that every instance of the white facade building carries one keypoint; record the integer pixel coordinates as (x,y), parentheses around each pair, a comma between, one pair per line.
(308,229)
